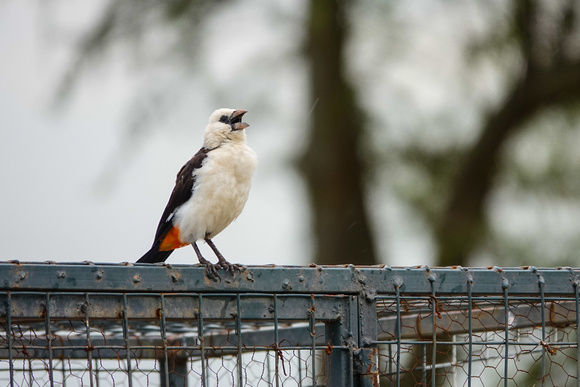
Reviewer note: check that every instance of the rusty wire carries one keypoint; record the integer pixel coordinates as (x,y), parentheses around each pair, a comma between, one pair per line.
(376,333)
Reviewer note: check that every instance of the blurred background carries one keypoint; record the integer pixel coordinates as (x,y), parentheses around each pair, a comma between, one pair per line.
(400,133)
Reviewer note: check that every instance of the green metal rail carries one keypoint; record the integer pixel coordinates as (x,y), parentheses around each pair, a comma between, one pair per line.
(127,324)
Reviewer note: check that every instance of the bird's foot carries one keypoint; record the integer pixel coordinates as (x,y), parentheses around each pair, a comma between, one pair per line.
(213,268)
(212,272)
(231,267)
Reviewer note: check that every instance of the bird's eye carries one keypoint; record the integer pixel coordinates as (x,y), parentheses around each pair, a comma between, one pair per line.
(224,119)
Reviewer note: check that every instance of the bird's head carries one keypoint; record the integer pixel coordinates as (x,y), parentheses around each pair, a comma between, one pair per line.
(225,125)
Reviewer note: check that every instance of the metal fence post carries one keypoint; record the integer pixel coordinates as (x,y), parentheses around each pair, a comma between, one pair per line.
(176,371)
(173,364)
(366,356)
(339,336)
(9,336)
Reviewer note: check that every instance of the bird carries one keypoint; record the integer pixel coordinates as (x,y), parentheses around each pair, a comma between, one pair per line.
(210,192)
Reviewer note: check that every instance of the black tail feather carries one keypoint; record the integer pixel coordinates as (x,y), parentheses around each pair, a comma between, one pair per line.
(154,255)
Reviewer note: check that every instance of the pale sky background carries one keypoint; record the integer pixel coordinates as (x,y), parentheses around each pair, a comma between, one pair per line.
(72,190)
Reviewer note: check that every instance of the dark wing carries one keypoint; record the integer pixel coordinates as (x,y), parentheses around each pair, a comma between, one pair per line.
(181,193)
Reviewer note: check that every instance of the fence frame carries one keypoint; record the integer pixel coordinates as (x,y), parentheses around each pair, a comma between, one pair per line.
(351,331)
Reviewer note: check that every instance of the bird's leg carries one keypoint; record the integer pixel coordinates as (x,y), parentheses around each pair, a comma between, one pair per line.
(211,268)
(222,261)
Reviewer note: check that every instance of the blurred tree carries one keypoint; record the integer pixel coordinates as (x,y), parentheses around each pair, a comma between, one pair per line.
(134,24)
(331,164)
(543,35)
(549,76)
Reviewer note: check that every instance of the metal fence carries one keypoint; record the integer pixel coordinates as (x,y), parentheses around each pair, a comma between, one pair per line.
(162,325)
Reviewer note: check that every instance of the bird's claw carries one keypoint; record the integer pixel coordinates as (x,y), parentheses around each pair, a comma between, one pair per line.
(212,269)
(231,267)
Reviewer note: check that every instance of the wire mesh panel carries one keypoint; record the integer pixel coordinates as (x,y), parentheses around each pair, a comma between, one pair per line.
(162,325)
(458,341)
(181,339)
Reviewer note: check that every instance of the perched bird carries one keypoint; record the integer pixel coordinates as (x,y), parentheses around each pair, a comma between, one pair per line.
(210,191)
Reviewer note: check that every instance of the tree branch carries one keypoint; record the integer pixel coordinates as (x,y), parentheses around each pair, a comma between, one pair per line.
(463,223)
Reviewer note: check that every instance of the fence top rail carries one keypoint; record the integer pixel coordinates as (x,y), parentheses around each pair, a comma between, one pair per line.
(345,279)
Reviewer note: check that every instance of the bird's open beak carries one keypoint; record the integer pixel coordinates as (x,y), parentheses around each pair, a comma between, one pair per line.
(236,120)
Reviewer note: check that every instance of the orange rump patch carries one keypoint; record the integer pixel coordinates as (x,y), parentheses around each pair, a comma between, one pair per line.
(171,241)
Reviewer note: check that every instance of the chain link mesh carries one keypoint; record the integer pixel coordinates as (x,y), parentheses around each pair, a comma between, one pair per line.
(395,338)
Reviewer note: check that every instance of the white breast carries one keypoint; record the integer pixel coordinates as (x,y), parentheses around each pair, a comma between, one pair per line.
(221,189)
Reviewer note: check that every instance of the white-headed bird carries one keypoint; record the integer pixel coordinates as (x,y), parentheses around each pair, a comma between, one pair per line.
(210,191)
